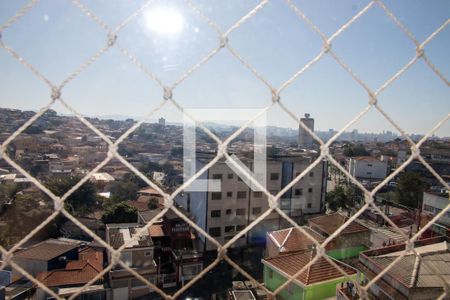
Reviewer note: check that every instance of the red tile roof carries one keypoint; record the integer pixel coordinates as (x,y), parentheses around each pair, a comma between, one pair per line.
(140,206)
(150,191)
(321,270)
(76,272)
(156,231)
(330,223)
(292,239)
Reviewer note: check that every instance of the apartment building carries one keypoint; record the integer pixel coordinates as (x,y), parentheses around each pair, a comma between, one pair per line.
(367,167)
(434,203)
(226,212)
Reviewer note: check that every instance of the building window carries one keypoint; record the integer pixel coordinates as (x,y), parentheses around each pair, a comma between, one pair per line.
(273,192)
(428,208)
(216,196)
(369,165)
(309,205)
(229,194)
(147,253)
(311,174)
(256,210)
(215,231)
(215,214)
(240,211)
(310,190)
(298,192)
(230,176)
(257,194)
(240,227)
(228,211)
(274,176)
(217,176)
(241,194)
(229,228)
(239,178)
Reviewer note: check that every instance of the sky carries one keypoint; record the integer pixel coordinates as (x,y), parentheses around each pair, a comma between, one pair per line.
(169,38)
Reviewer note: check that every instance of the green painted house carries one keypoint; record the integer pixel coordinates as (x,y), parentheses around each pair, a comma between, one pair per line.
(318,281)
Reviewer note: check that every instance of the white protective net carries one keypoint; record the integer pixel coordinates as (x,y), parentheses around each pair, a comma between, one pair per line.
(56,95)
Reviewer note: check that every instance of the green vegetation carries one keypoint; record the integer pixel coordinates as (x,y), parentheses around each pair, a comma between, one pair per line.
(8,192)
(355,150)
(82,201)
(410,188)
(120,213)
(341,197)
(127,188)
(22,215)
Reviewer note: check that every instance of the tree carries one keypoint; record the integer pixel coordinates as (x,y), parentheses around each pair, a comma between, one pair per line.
(120,213)
(355,150)
(82,201)
(8,192)
(410,188)
(340,197)
(127,188)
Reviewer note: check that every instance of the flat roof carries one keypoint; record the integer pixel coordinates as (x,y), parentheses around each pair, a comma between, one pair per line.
(119,234)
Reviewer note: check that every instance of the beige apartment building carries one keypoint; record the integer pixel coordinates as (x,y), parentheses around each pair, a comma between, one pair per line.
(226,212)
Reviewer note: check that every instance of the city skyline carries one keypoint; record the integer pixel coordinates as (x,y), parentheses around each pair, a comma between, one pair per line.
(276,42)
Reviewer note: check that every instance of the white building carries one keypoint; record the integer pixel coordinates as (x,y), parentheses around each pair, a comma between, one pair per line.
(138,255)
(434,203)
(223,214)
(305,140)
(367,167)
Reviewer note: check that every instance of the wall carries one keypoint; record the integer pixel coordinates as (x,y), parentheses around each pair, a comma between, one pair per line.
(353,240)
(373,169)
(344,253)
(314,292)
(437,203)
(272,283)
(325,290)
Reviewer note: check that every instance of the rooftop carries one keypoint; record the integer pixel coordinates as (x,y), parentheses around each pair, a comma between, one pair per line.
(366,158)
(150,191)
(76,272)
(321,270)
(292,239)
(119,234)
(414,271)
(330,223)
(46,250)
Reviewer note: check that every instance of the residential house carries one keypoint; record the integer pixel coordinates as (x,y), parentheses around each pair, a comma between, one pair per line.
(291,240)
(353,239)
(318,281)
(138,255)
(76,273)
(46,256)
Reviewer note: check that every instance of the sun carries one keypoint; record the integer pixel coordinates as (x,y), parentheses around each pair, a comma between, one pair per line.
(164,20)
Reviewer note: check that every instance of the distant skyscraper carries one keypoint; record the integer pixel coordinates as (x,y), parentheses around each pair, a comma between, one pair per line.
(162,121)
(305,140)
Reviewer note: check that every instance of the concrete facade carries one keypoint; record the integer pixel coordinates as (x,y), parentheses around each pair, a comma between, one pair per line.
(366,167)
(223,214)
(433,204)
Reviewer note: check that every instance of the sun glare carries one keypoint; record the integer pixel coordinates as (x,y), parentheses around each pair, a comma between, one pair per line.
(164,21)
